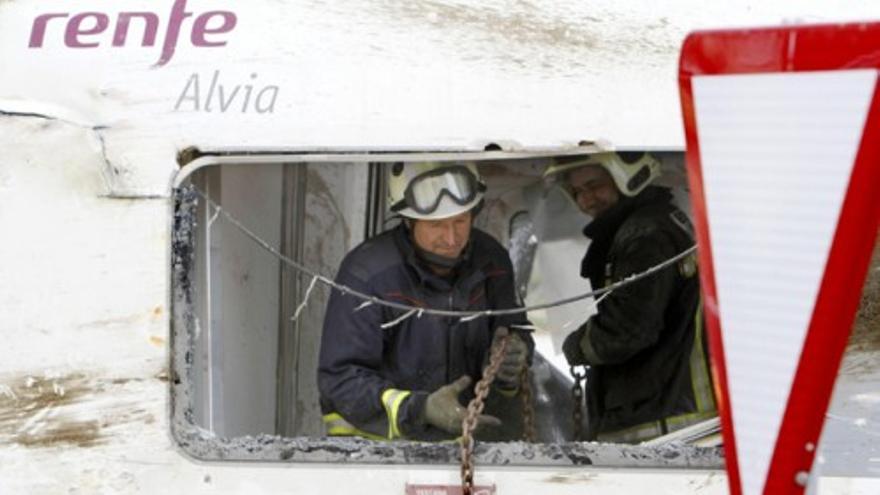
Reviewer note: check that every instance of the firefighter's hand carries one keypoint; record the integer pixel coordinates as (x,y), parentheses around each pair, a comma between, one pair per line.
(572,347)
(514,362)
(443,410)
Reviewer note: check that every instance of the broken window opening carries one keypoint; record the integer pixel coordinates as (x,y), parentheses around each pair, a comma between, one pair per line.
(246,367)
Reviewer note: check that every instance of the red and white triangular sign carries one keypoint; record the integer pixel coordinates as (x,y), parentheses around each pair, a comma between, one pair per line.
(783,157)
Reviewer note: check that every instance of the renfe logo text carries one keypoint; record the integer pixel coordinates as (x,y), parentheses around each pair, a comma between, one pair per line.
(86,29)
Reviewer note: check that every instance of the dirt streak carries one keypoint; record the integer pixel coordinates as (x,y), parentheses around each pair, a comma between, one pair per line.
(47,411)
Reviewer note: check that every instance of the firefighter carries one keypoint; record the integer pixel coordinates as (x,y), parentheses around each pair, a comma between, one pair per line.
(412,380)
(645,346)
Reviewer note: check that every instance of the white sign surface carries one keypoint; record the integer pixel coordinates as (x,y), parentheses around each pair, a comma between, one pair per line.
(777,152)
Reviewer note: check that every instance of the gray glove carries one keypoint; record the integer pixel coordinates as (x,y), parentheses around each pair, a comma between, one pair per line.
(514,362)
(443,410)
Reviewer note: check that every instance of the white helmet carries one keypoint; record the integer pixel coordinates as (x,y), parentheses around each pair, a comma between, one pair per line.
(631,172)
(434,190)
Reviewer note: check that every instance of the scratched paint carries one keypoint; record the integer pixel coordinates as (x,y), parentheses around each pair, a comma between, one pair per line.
(84,198)
(34,412)
(59,411)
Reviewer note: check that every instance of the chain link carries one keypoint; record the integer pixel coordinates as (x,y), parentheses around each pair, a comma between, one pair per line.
(528,407)
(577,398)
(474,409)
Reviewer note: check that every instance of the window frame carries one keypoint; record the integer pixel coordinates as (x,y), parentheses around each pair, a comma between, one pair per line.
(203,445)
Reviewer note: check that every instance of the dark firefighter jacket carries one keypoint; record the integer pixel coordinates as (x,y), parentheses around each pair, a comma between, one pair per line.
(377,380)
(645,366)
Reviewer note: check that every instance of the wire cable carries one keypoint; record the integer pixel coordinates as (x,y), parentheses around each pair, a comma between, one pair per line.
(410,309)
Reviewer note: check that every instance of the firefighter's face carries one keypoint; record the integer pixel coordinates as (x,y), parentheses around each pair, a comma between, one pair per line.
(446,237)
(592,189)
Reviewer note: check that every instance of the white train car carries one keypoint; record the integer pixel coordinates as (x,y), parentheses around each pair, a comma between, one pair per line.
(153,342)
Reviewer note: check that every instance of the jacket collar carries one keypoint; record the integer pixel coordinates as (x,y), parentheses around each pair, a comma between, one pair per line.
(605,225)
(603,228)
(465,268)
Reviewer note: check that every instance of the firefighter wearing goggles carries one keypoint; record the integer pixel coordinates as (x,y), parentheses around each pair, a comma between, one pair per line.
(413,380)
(445,196)
(434,190)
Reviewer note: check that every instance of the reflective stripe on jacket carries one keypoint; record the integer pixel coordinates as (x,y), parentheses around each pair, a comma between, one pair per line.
(360,362)
(646,341)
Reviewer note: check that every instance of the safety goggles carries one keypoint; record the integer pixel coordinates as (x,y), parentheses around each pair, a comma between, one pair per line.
(423,194)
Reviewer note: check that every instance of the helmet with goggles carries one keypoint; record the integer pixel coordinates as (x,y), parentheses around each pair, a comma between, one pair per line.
(434,190)
(631,172)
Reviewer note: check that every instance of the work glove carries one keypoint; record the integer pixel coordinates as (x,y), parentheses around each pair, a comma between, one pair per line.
(514,362)
(443,410)
(572,349)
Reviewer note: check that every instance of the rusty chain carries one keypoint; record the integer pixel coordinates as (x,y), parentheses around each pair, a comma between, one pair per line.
(475,408)
(577,397)
(529,432)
